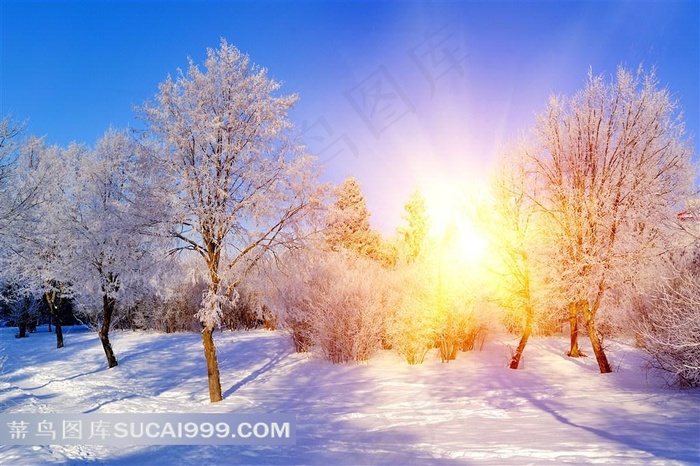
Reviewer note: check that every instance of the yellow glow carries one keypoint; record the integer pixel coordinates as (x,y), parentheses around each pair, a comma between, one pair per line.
(459,251)
(451,209)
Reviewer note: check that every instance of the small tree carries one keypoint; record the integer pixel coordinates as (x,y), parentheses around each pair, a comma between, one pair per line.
(41,243)
(415,233)
(106,221)
(515,233)
(20,187)
(347,222)
(240,185)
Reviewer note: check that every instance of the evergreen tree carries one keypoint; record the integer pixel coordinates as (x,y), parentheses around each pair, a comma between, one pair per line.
(347,222)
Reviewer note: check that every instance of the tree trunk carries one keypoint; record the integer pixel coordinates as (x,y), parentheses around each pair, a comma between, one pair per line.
(108,305)
(53,311)
(597,345)
(515,361)
(59,334)
(212,364)
(574,352)
(22,330)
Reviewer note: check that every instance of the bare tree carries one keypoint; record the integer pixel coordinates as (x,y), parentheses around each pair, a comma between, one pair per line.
(241,186)
(616,168)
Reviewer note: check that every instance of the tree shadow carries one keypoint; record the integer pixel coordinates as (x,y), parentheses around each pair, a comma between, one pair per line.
(269,365)
(65,379)
(660,440)
(110,401)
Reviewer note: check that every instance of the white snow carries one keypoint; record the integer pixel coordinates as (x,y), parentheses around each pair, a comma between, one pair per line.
(470,411)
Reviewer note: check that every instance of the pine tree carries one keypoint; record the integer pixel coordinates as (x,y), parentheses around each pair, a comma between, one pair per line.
(347,222)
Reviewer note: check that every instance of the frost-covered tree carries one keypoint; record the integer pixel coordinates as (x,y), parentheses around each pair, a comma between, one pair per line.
(40,257)
(77,228)
(31,241)
(10,132)
(19,188)
(107,240)
(347,221)
(669,326)
(615,165)
(415,233)
(239,186)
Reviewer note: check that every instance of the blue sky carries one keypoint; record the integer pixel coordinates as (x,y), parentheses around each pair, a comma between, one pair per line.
(395,93)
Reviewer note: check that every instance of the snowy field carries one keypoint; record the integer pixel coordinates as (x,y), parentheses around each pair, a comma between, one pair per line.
(469,411)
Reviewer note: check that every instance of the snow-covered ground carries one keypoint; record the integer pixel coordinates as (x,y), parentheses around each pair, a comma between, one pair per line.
(470,411)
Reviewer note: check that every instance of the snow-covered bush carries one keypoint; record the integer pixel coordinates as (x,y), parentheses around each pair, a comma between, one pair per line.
(334,303)
(669,329)
(478,326)
(248,311)
(411,326)
(458,327)
(177,314)
(425,314)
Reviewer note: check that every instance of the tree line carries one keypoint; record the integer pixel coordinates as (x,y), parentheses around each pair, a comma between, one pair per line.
(213,216)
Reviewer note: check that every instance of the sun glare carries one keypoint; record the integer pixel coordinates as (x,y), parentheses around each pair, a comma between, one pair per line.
(451,210)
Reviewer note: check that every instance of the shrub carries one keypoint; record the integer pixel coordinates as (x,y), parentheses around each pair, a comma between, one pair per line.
(334,303)
(410,326)
(669,329)
(462,325)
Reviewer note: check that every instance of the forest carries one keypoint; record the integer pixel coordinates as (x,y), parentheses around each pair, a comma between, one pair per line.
(213,216)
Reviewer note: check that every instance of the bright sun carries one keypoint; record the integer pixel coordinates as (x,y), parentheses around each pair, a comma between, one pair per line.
(451,210)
